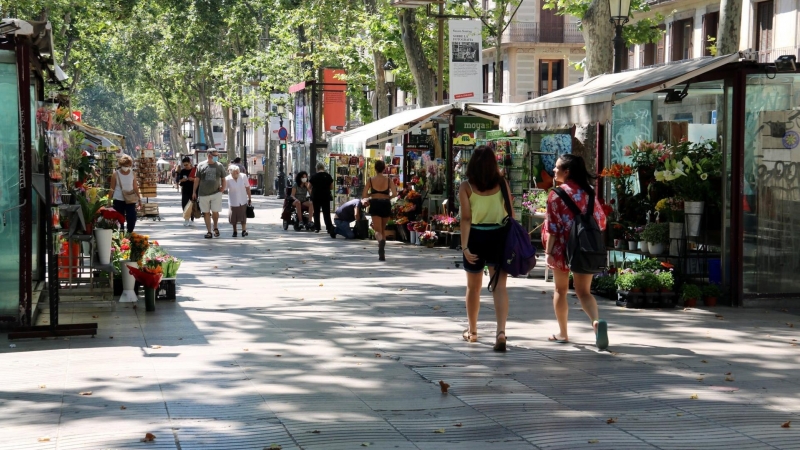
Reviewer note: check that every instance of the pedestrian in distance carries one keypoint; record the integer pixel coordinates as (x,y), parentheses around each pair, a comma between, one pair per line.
(346,213)
(124,191)
(321,185)
(570,171)
(209,184)
(237,162)
(483,238)
(301,192)
(238,199)
(380,204)
(186,183)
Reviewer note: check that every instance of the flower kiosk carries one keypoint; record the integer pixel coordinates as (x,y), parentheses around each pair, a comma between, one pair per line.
(698,162)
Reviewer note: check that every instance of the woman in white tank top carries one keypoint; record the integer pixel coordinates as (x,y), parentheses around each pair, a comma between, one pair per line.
(125,179)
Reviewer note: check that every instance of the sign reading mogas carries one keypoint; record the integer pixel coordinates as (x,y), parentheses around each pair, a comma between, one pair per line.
(469,124)
(530,119)
(466,74)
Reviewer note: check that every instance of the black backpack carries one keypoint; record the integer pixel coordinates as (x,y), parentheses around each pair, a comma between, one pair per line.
(586,252)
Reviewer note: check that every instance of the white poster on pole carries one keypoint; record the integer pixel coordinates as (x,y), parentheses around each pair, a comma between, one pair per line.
(466,75)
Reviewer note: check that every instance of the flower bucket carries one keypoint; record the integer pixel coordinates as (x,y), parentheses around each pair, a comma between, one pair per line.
(655,249)
(103,238)
(693,212)
(643,246)
(632,245)
(414,236)
(675,238)
(149,299)
(128,282)
(430,244)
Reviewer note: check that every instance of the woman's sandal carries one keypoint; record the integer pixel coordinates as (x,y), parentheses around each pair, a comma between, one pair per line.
(556,339)
(469,337)
(234,234)
(244,233)
(216,232)
(500,346)
(601,333)
(208,235)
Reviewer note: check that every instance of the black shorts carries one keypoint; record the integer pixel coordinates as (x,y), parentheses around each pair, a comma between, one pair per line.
(380,207)
(487,244)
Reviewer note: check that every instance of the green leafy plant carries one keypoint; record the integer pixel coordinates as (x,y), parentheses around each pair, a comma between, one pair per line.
(648,281)
(627,282)
(657,233)
(91,208)
(711,290)
(666,281)
(604,282)
(646,265)
(690,291)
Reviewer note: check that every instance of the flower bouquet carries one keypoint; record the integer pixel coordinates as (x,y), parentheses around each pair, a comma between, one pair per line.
(428,238)
(535,201)
(139,245)
(148,276)
(420,226)
(620,175)
(108,219)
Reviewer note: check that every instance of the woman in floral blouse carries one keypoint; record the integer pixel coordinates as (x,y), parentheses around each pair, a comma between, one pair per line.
(570,171)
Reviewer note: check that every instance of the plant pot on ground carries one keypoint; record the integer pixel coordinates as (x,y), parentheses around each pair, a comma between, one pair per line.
(711,293)
(690,293)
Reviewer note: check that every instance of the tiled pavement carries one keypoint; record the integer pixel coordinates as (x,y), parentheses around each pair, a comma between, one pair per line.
(294,340)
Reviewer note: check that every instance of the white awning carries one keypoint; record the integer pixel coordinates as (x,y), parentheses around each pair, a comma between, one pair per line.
(355,142)
(491,111)
(591,101)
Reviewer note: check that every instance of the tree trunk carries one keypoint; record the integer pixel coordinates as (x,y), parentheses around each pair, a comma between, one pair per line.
(730,20)
(424,77)
(598,32)
(497,95)
(380,104)
(230,135)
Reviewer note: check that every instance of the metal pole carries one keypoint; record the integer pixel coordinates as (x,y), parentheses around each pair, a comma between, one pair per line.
(619,49)
(440,75)
(389,99)
(281,171)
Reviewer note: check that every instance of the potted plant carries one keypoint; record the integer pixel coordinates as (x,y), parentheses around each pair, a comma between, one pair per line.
(645,157)
(618,234)
(632,236)
(711,293)
(642,244)
(428,238)
(666,282)
(108,221)
(91,203)
(656,235)
(604,285)
(690,294)
(628,288)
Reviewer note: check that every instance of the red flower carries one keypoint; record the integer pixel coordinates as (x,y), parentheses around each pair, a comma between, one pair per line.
(112,214)
(666,265)
(125,247)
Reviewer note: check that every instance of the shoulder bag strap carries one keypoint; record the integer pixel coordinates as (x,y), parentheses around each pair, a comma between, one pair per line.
(568,201)
(506,196)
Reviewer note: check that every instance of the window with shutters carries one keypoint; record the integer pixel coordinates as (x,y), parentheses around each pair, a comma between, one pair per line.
(765,18)
(653,53)
(710,27)
(681,39)
(630,63)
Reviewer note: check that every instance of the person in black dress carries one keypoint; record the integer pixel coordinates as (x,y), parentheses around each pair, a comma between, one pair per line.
(379,191)
(186,183)
(321,185)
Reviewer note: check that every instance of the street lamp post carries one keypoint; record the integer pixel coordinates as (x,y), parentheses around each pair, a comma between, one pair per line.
(245,121)
(281,156)
(388,76)
(620,10)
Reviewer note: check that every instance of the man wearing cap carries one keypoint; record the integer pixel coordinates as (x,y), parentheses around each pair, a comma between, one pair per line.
(209,183)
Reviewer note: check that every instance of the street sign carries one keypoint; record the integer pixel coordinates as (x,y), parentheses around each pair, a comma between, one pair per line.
(282,133)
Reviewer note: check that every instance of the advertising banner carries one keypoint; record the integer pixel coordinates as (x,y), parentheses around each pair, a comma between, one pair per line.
(334,100)
(466,75)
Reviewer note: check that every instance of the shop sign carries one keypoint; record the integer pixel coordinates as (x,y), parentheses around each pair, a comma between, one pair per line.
(498,134)
(334,99)
(470,124)
(464,139)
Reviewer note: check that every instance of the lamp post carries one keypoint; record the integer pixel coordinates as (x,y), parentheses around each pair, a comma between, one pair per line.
(388,76)
(281,156)
(245,121)
(620,10)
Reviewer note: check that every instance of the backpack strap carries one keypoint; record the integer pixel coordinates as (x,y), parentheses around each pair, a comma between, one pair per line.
(507,199)
(571,204)
(506,196)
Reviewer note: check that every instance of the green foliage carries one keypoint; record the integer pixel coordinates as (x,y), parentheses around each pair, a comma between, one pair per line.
(691,291)
(666,280)
(711,290)
(712,49)
(627,282)
(604,282)
(648,281)
(646,265)
(657,233)
(640,32)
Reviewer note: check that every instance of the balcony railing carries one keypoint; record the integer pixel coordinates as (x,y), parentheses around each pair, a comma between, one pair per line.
(768,56)
(516,98)
(566,33)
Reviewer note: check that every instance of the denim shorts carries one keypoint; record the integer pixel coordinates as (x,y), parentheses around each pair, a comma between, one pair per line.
(487,242)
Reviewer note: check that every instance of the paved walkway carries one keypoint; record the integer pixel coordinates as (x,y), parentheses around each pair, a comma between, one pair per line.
(293,340)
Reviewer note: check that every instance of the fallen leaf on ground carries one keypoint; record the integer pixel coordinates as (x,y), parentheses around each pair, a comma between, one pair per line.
(42,386)
(278,356)
(444,386)
(729,379)
(680,414)
(111,337)
(437,307)
(719,316)
(611,420)
(247,350)
(316,432)
(377,355)
(544,292)
(86,393)
(457,425)
(94,317)
(439,430)
(700,379)
(123,407)
(215,267)
(155,346)
(787,424)
(365,444)
(704,361)
(44,439)
(593,441)
(728,373)
(149,437)
(791,325)
(319,284)
(694,397)
(273,447)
